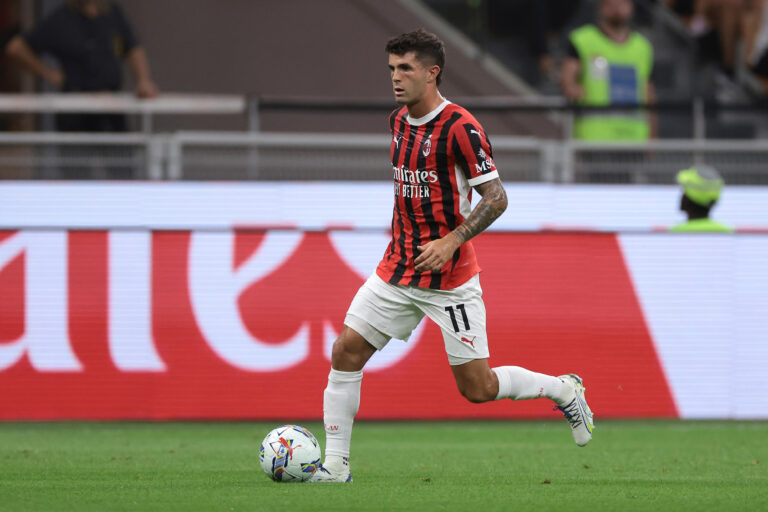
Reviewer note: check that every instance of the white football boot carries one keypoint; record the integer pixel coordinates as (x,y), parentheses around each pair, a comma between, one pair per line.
(332,472)
(576,410)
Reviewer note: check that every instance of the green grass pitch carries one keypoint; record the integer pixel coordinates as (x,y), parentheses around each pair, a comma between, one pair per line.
(417,466)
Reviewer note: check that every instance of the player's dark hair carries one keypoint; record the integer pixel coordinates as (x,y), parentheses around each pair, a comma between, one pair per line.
(428,47)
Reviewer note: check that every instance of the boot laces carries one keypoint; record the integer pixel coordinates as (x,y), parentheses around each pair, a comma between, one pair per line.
(571,413)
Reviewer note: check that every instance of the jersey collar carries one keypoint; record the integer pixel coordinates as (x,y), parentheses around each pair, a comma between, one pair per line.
(418,121)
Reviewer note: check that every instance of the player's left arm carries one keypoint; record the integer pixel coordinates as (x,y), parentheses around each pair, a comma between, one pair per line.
(436,253)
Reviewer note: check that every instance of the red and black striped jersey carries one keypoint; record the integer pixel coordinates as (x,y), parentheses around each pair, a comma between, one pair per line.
(436,160)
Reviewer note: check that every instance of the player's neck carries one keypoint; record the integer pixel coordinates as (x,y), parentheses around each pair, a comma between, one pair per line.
(428,103)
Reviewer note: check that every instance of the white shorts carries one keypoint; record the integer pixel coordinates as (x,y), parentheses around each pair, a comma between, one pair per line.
(381,311)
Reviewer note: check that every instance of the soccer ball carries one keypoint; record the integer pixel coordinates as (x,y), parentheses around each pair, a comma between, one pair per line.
(289,454)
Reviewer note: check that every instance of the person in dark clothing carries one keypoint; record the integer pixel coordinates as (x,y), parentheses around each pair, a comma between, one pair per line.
(535,23)
(89,39)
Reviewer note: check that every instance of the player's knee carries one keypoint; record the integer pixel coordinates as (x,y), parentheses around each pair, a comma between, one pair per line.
(477,393)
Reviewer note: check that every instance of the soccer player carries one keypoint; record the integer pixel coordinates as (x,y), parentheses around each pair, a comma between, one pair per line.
(439,152)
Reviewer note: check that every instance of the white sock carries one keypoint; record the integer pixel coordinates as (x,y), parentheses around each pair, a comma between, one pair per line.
(336,463)
(340,403)
(521,384)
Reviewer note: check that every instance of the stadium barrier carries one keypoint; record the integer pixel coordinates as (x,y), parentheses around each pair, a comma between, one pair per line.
(303,156)
(162,301)
(51,155)
(349,156)
(124,103)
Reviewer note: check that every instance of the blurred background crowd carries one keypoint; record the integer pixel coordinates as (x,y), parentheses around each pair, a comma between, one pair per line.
(596,70)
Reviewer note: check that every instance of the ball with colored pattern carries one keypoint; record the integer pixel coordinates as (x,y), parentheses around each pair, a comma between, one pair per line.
(289,453)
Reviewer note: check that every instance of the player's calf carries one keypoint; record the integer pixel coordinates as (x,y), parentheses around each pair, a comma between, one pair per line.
(476,382)
(350,351)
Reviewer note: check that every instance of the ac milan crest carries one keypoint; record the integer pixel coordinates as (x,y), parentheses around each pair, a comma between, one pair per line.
(426,147)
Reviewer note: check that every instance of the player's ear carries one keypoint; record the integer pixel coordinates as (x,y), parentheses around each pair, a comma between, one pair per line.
(433,72)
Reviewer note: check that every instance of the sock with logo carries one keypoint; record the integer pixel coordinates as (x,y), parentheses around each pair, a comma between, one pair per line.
(340,403)
(521,384)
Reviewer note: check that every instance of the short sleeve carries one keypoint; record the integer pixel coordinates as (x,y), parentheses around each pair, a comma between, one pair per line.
(474,154)
(126,31)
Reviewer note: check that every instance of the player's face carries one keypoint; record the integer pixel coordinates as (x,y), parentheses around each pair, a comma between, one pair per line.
(616,12)
(409,78)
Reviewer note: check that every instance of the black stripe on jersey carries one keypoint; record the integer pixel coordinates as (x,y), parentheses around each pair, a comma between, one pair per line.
(396,211)
(482,137)
(461,159)
(441,158)
(456,257)
(426,202)
(392,229)
(397,275)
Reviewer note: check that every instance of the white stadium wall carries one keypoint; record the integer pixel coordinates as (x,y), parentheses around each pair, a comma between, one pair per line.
(190,300)
(320,205)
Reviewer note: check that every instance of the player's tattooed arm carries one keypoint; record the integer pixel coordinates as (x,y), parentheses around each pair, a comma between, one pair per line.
(490,208)
(436,253)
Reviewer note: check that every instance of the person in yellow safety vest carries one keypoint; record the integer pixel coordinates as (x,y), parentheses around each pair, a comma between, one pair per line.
(610,64)
(701,190)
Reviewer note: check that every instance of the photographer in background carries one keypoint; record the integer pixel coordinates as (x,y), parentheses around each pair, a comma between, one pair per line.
(89,39)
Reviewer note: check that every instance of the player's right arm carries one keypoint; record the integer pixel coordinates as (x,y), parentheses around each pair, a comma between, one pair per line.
(436,253)
(474,154)
(490,208)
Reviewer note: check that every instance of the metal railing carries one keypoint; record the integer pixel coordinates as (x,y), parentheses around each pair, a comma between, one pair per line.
(742,162)
(693,118)
(284,156)
(297,156)
(697,112)
(257,155)
(50,155)
(124,103)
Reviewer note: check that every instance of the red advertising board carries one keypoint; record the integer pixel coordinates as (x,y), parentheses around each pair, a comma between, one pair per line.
(181,324)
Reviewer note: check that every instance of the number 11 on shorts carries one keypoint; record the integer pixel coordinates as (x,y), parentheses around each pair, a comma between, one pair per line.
(450,311)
